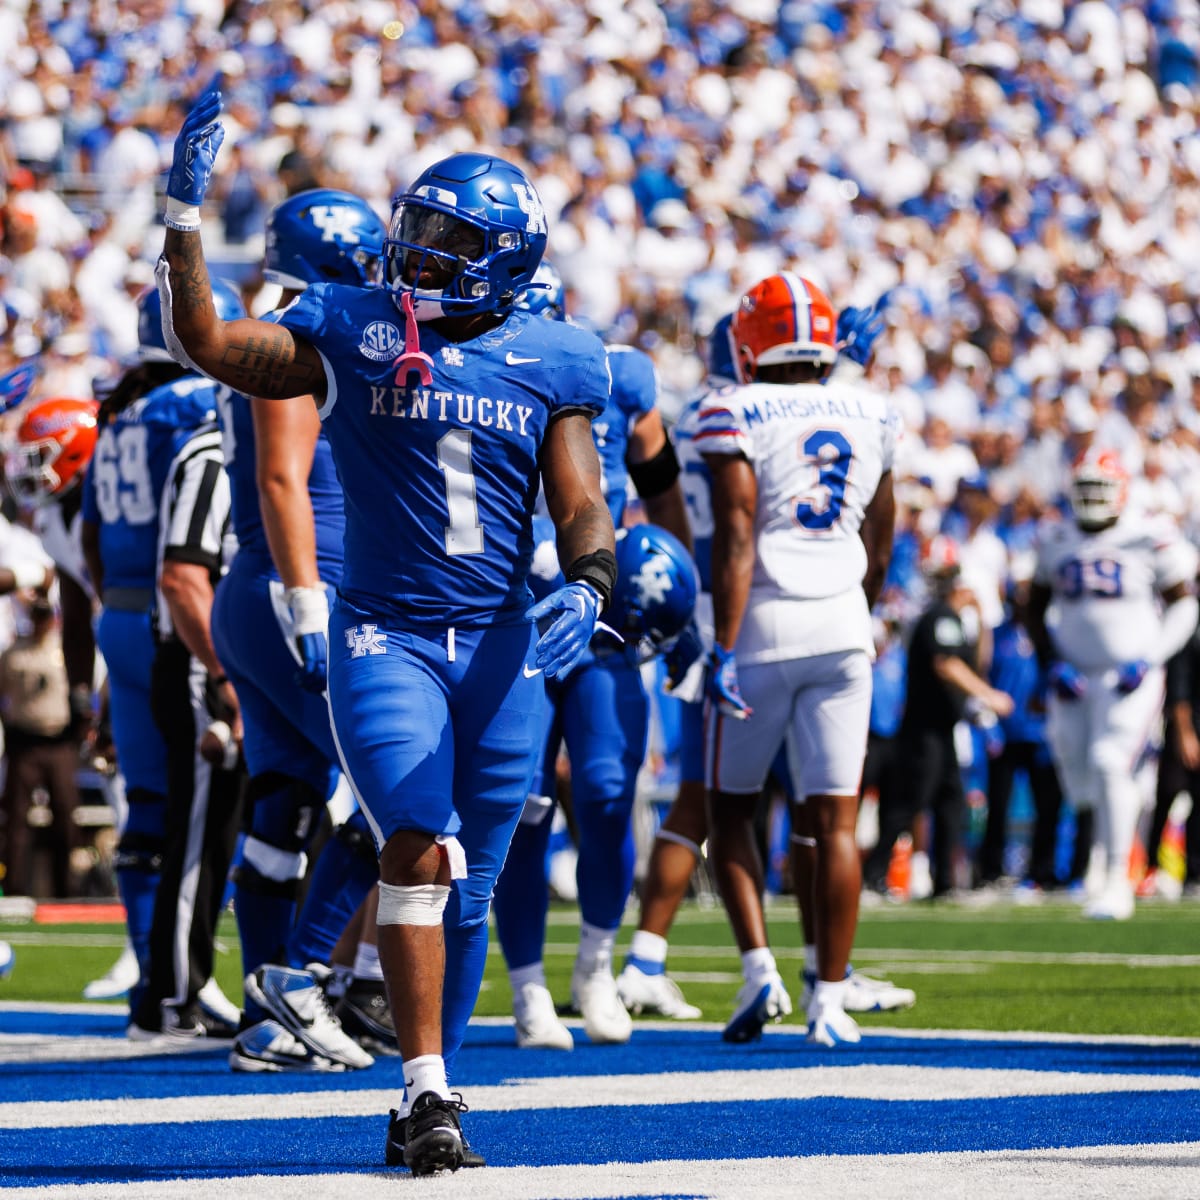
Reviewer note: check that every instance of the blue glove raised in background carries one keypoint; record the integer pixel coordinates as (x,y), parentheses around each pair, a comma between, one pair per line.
(562,645)
(858,329)
(684,651)
(1067,682)
(1130,675)
(196,149)
(721,683)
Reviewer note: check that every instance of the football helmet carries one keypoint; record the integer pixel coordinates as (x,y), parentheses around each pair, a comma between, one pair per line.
(783,319)
(51,450)
(656,588)
(323,235)
(545,294)
(1098,490)
(152,347)
(466,237)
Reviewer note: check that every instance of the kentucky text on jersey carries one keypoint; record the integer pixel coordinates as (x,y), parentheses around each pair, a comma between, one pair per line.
(459,408)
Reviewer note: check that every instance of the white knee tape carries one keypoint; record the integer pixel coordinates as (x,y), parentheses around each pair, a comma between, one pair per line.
(422,904)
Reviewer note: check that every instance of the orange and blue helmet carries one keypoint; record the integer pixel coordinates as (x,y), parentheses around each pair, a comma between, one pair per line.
(784,319)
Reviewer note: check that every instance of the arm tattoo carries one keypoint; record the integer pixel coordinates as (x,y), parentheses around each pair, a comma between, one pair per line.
(255,357)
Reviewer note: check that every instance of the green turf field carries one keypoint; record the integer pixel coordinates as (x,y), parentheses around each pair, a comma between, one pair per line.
(1036,969)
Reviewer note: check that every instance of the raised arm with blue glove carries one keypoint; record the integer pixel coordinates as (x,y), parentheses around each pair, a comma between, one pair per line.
(858,329)
(195,152)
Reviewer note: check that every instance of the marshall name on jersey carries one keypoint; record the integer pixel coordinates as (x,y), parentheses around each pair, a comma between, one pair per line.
(440,477)
(1106,586)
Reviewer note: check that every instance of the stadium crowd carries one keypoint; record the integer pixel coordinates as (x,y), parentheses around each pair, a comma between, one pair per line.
(1019,178)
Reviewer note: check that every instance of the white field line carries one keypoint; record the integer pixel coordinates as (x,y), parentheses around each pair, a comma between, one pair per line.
(1150,1172)
(860,1082)
(987,957)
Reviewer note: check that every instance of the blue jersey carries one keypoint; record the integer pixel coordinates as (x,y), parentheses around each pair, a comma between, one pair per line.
(324,490)
(634,393)
(129,471)
(440,479)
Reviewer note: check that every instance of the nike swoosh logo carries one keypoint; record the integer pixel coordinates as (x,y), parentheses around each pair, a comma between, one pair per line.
(515,360)
(530,674)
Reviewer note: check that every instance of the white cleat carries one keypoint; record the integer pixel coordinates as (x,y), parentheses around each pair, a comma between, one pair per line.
(1115,903)
(863,994)
(537,1022)
(642,993)
(117,980)
(832,1027)
(297,1002)
(757,1003)
(605,1018)
(7,960)
(217,1004)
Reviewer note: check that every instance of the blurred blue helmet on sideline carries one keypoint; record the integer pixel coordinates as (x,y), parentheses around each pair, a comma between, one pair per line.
(656,588)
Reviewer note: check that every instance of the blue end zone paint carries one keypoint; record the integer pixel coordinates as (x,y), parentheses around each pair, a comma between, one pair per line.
(779,1128)
(491,1058)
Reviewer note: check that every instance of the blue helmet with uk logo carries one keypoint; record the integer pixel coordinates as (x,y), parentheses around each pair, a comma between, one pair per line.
(466,237)
(324,235)
(656,588)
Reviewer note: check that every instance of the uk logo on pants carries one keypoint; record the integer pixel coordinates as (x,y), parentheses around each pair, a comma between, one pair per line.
(365,639)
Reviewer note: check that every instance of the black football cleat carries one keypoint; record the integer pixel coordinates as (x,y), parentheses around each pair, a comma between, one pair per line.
(397,1136)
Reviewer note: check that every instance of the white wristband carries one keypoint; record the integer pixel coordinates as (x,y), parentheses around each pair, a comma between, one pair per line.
(179,215)
(309,607)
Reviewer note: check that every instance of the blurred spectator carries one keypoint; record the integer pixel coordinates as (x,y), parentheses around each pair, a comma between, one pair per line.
(43,753)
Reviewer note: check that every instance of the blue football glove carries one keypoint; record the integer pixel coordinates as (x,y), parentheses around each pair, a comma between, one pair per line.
(721,683)
(858,328)
(1068,683)
(196,149)
(684,651)
(1130,675)
(575,609)
(309,607)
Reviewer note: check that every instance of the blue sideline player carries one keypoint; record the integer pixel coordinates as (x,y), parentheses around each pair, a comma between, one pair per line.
(601,712)
(270,617)
(445,410)
(146,423)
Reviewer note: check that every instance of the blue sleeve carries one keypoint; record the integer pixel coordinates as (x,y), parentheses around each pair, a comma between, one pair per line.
(634,382)
(306,315)
(583,356)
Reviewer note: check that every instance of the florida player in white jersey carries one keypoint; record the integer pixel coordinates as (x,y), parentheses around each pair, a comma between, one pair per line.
(1111,602)
(803,515)
(445,409)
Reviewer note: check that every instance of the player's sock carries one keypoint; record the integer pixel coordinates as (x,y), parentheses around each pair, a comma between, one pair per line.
(595,948)
(425,1073)
(828,995)
(810,959)
(647,952)
(263,919)
(758,964)
(366,961)
(532,973)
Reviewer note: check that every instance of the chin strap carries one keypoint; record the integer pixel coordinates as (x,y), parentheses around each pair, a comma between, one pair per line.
(413,358)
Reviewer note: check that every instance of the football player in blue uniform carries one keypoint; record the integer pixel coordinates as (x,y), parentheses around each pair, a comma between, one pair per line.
(601,712)
(444,409)
(270,616)
(146,424)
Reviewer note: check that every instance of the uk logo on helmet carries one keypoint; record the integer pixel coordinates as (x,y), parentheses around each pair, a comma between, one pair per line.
(530,203)
(336,223)
(653,581)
